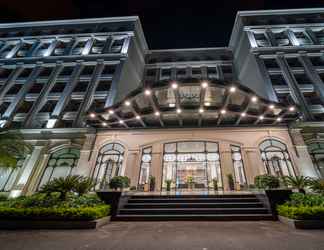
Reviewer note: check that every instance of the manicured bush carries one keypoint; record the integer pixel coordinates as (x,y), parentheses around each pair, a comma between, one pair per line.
(44,206)
(303,207)
(266,181)
(55,213)
(119,182)
(301,212)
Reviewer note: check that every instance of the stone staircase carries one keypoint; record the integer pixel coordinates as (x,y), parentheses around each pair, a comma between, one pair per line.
(225,207)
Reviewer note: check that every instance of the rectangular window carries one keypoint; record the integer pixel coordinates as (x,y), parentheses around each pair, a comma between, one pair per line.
(145,167)
(238,165)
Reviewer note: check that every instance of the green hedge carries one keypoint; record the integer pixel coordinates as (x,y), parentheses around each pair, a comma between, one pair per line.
(303,207)
(55,213)
(301,212)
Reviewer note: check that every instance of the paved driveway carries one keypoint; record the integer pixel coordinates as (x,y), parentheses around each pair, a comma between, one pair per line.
(169,235)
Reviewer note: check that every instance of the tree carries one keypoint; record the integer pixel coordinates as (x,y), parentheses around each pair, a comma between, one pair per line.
(12,147)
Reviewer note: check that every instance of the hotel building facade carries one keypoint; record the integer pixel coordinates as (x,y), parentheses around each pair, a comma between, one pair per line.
(92,99)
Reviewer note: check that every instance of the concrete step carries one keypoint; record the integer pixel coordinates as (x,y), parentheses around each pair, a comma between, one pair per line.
(194,205)
(193,196)
(169,211)
(195,217)
(162,199)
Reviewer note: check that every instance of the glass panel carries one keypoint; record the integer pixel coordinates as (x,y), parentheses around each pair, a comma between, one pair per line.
(211,147)
(170,147)
(145,166)
(191,146)
(239,173)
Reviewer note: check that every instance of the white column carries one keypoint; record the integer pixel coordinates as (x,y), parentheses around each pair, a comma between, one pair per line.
(27,171)
(84,167)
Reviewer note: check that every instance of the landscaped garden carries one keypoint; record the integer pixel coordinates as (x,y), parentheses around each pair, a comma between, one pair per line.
(62,199)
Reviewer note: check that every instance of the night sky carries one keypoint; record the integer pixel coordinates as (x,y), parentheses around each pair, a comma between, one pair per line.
(167,24)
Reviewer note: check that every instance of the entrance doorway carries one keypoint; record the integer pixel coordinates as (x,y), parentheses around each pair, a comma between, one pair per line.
(193,165)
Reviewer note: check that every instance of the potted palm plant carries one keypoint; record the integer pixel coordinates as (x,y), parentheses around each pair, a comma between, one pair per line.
(190,182)
(168,185)
(297,182)
(152,183)
(112,197)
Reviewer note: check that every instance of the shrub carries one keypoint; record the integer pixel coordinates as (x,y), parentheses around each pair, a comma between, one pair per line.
(62,185)
(55,213)
(301,212)
(266,181)
(152,182)
(3,197)
(83,185)
(299,199)
(44,206)
(168,185)
(230,181)
(317,186)
(119,182)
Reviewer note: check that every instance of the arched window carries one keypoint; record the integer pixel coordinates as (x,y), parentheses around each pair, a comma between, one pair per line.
(60,164)
(276,158)
(316,151)
(145,168)
(108,164)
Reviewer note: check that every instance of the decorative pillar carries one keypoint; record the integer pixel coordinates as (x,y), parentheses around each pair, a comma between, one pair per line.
(26,172)
(131,169)
(252,163)
(226,163)
(156,165)
(303,160)
(83,167)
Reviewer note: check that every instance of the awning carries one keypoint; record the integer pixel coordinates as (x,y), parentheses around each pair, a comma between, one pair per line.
(192,104)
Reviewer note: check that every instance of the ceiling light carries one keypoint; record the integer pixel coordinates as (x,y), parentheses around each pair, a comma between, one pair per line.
(179,111)
(138,117)
(279,119)
(204,85)
(171,105)
(271,106)
(243,114)
(147,92)
(104,124)
(201,110)
(174,85)
(207,103)
(292,108)
(121,121)
(232,89)
(92,115)
(127,103)
(157,113)
(223,111)
(111,112)
(254,99)
(261,117)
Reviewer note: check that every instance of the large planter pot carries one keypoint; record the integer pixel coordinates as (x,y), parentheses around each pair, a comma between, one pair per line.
(112,198)
(302,224)
(277,197)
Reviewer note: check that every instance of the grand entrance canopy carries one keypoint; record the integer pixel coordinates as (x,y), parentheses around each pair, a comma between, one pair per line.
(192,104)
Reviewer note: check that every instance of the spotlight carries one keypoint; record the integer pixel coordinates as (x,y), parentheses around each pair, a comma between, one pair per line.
(147,92)
(171,105)
(243,114)
(174,85)
(121,121)
(223,111)
(271,106)
(204,85)
(92,115)
(138,117)
(179,111)
(232,89)
(261,117)
(111,112)
(127,103)
(254,99)
(201,110)
(157,113)
(279,119)
(104,124)
(207,104)
(292,108)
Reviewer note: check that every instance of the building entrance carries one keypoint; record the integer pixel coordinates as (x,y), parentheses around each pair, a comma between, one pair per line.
(193,165)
